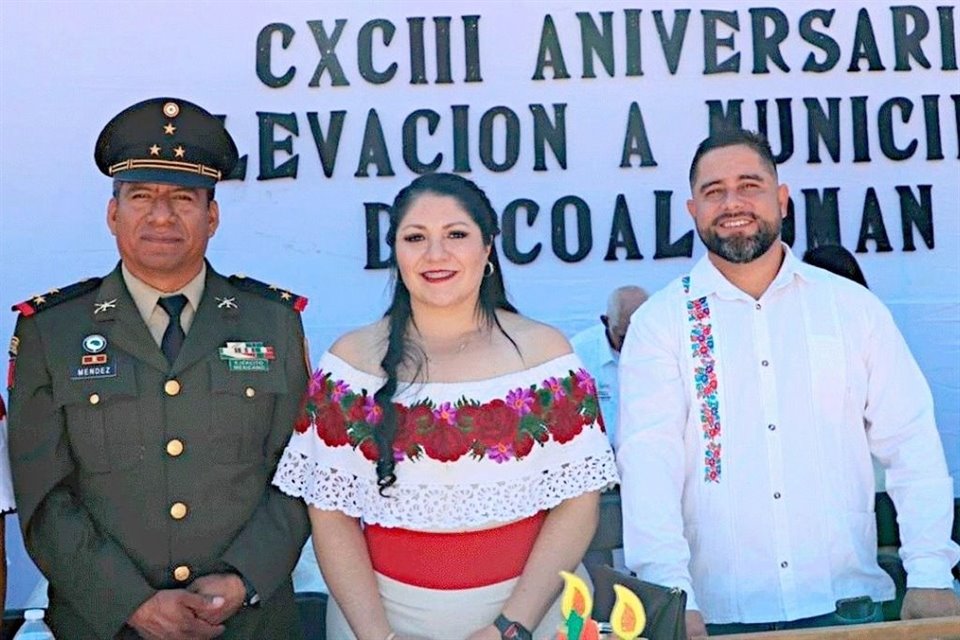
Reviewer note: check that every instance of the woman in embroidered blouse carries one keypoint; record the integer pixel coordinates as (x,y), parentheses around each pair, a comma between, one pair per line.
(452,453)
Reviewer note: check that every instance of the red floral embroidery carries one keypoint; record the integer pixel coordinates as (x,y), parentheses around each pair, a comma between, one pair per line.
(501,430)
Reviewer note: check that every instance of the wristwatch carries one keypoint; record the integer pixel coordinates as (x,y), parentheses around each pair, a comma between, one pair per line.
(250,596)
(510,630)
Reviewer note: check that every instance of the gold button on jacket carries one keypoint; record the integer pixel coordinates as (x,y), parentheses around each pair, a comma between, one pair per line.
(174,447)
(171,387)
(181,573)
(178,511)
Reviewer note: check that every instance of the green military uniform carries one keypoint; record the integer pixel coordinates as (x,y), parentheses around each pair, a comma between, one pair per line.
(133,473)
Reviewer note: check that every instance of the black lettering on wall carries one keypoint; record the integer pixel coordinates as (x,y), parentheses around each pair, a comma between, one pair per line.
(956,116)
(682,247)
(326,45)
(550,53)
(906,43)
(442,40)
(822,216)
(595,41)
(885,128)
(872,226)
(509,243)
(411,143)
(365,51)
(861,139)
(724,117)
(865,45)
(269,145)
(784,126)
(418,56)
(373,150)
(634,62)
(635,142)
(374,212)
(552,133)
(265,54)
(767,47)
(327,145)
(471,48)
(919,214)
(622,235)
(461,138)
(712,43)
(931,122)
(788,226)
(672,42)
(511,146)
(820,40)
(821,126)
(948,39)
(558,218)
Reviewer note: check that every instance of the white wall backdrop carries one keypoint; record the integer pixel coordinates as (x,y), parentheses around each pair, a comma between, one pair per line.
(878,80)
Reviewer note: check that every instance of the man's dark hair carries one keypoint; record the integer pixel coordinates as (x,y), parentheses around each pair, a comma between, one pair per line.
(211,192)
(731,136)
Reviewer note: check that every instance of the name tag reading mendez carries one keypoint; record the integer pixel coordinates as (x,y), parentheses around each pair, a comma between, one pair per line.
(100,371)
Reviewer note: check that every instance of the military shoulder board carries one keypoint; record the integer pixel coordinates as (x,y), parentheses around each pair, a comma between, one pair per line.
(269,291)
(52,298)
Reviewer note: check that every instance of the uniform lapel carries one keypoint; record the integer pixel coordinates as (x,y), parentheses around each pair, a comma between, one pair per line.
(214,324)
(115,315)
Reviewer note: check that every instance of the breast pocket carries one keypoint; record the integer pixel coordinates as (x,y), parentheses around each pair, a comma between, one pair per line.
(243,403)
(103,421)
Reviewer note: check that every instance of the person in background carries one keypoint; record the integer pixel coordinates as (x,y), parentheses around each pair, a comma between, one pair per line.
(450,453)
(7,504)
(599,349)
(836,259)
(148,410)
(753,392)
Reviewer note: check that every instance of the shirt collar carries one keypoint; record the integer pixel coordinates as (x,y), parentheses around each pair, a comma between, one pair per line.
(145,296)
(706,279)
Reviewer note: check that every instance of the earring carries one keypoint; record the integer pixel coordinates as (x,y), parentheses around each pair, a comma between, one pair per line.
(489,270)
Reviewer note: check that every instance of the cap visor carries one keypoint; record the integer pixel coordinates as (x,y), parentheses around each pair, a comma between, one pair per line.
(166,176)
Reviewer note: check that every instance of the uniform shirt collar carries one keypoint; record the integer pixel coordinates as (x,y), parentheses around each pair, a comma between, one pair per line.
(145,296)
(706,279)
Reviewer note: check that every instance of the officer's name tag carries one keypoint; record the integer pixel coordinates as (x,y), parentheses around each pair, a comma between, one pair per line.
(99,371)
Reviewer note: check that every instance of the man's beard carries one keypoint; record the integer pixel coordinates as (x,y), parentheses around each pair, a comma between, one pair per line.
(739,248)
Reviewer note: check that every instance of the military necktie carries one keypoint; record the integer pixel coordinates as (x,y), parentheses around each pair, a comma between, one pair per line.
(174,335)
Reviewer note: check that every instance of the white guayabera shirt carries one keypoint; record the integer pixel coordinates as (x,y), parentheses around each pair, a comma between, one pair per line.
(797,389)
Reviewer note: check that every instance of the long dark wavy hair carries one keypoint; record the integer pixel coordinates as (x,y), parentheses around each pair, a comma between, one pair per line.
(492,297)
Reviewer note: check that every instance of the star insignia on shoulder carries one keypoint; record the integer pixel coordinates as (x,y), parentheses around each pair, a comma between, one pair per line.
(179,151)
(273,287)
(285,295)
(103,306)
(226,303)
(169,129)
(155,150)
(39,300)
(53,292)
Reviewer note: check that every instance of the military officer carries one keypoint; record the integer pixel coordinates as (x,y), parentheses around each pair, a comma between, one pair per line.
(148,410)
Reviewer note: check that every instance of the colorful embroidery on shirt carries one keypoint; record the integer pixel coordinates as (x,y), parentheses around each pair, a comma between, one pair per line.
(499,430)
(705,378)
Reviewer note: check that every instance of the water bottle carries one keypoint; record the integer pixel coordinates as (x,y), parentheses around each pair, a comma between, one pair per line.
(33,627)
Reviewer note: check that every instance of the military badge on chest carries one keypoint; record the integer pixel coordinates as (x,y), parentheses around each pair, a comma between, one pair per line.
(95,361)
(247,356)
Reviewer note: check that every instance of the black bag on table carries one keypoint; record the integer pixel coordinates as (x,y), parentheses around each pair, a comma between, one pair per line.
(665,607)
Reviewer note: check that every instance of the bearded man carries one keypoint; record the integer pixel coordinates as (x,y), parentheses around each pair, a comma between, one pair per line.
(753,393)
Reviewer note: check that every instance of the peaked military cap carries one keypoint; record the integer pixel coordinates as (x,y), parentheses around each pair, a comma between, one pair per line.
(166,140)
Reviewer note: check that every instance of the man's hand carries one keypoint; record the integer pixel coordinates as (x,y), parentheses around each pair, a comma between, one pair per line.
(929,603)
(176,614)
(228,586)
(695,625)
